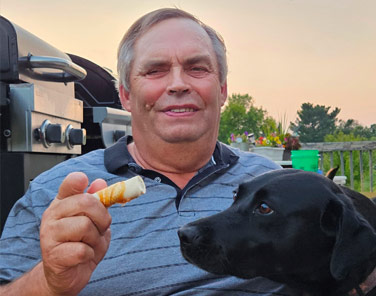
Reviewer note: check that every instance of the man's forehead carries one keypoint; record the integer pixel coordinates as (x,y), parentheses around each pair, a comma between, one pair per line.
(175,28)
(172,36)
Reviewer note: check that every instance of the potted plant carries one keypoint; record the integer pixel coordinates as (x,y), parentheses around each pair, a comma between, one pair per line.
(270,146)
(240,141)
(290,143)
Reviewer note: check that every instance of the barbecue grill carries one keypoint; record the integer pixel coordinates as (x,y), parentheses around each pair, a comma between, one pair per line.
(53,106)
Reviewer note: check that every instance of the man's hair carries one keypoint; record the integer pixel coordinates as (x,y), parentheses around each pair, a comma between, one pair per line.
(143,24)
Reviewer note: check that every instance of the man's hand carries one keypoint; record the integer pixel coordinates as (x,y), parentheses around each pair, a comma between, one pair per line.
(74,235)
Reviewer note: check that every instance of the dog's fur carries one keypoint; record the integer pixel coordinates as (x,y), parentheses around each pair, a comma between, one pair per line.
(293,227)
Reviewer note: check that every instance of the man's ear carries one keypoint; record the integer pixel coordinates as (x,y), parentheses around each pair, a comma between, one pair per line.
(125,98)
(223,93)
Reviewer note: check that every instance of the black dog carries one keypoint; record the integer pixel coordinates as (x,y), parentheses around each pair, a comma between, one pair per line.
(293,227)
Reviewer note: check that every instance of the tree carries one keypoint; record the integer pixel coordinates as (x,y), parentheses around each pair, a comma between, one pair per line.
(314,122)
(240,115)
(353,127)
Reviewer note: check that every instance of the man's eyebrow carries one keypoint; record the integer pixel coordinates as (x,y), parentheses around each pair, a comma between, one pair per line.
(154,64)
(199,59)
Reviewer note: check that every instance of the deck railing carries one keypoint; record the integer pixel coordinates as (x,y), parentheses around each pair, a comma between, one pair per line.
(341,148)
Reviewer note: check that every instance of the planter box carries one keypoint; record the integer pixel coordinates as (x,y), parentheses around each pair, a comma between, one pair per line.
(273,153)
(242,146)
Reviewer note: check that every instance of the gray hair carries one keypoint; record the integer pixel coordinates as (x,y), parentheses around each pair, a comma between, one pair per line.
(126,47)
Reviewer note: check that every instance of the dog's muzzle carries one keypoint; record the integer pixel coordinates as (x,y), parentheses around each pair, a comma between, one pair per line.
(189,235)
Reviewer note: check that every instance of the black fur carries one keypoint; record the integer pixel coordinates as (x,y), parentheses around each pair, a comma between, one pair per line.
(290,226)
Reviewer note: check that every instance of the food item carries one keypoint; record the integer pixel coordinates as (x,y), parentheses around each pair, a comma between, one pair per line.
(121,192)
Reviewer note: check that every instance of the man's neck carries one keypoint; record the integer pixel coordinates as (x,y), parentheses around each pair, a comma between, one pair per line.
(178,162)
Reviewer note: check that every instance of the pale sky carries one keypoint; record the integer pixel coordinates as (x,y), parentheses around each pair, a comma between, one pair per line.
(281,52)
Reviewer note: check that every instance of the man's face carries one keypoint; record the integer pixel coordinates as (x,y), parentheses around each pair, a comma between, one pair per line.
(175,93)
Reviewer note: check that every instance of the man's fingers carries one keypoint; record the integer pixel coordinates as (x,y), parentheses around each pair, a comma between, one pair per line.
(71,254)
(97,185)
(102,246)
(73,184)
(76,229)
(81,205)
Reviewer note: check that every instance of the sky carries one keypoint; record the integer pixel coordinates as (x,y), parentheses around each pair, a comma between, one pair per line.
(283,53)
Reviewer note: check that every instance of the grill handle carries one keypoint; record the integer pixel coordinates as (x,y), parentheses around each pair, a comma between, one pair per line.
(71,71)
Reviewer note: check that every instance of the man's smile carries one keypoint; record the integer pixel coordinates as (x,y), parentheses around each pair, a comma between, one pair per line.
(180,110)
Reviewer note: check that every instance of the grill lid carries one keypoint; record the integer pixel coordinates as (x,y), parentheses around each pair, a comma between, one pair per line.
(24,54)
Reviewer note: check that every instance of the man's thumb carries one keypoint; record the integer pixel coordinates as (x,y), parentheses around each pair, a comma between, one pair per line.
(74,183)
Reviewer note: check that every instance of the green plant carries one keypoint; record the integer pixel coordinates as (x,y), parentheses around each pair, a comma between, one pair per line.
(240,114)
(271,140)
(239,138)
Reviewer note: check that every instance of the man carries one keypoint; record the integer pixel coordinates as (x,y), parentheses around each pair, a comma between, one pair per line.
(173,80)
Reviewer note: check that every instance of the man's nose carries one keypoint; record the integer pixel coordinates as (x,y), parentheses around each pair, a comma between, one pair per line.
(178,84)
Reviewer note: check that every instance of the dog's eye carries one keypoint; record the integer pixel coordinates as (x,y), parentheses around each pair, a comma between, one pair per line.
(264,209)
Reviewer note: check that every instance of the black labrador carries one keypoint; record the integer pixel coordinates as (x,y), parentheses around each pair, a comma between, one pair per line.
(293,227)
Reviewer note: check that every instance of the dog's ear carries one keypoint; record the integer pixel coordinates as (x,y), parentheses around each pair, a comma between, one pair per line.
(332,173)
(355,240)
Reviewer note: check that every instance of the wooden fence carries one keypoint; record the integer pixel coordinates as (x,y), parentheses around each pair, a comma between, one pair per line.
(364,147)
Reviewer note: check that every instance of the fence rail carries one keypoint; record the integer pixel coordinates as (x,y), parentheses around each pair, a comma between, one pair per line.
(364,147)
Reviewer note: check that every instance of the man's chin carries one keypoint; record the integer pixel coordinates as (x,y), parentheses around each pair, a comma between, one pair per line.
(181,135)
(181,139)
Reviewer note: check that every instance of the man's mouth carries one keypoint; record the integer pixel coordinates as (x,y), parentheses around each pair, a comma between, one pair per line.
(181,110)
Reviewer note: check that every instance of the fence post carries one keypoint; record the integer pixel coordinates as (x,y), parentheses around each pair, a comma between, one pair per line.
(342,163)
(321,161)
(370,171)
(351,169)
(361,170)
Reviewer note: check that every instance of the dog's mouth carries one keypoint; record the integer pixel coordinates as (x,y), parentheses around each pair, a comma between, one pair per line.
(198,248)
(208,258)
(214,260)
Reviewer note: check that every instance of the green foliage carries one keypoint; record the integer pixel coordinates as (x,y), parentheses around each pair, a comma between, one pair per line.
(240,115)
(269,126)
(314,122)
(351,126)
(340,136)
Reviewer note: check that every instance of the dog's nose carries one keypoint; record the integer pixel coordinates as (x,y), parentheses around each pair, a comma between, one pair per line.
(188,234)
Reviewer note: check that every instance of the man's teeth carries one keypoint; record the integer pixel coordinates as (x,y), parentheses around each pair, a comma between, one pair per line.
(181,110)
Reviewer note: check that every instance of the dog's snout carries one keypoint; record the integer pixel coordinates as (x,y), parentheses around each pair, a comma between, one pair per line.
(188,234)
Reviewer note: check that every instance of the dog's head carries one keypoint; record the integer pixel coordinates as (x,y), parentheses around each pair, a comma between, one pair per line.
(283,224)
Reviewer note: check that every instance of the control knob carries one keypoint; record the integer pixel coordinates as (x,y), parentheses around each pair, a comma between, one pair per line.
(75,136)
(50,133)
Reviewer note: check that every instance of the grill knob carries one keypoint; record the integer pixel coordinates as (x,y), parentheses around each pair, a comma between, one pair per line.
(75,136)
(49,133)
(55,133)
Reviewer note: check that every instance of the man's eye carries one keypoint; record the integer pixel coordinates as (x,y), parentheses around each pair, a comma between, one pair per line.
(198,70)
(155,72)
(264,209)
(234,195)
(152,72)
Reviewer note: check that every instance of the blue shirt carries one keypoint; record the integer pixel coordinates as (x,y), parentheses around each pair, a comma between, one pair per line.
(144,255)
